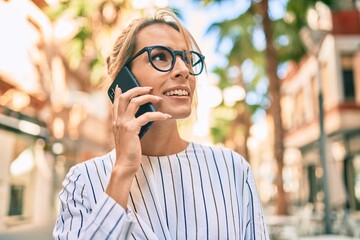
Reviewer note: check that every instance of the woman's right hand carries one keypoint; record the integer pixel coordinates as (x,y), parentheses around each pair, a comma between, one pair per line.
(126,128)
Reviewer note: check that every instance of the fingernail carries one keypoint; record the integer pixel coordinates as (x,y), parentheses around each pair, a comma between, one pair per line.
(168,116)
(118,88)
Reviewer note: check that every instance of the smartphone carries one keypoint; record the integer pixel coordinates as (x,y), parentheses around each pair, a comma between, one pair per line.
(126,81)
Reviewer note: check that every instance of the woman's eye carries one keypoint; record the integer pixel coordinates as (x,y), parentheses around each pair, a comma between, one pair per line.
(159,57)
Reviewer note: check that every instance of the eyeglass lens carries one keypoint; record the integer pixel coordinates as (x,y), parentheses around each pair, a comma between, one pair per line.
(163,60)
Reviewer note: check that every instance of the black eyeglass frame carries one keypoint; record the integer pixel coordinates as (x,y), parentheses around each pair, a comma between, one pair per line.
(173,53)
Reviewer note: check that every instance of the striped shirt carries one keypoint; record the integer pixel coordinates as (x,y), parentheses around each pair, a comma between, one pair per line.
(200,193)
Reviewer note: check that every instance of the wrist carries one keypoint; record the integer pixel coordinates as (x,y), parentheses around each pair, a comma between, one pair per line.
(120,184)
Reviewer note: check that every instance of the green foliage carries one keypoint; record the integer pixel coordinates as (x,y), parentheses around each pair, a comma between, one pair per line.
(241,32)
(221,127)
(82,48)
(98,68)
(74,8)
(56,12)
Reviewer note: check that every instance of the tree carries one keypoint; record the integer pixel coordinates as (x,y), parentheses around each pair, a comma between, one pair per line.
(95,24)
(232,118)
(283,44)
(90,28)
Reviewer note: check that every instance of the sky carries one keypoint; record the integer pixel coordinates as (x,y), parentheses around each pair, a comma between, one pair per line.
(198,19)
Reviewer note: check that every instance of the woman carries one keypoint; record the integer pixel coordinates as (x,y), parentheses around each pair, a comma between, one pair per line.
(159,186)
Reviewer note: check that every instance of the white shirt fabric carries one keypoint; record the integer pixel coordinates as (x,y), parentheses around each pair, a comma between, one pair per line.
(200,193)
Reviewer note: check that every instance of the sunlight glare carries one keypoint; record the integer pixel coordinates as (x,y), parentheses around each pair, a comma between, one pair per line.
(23,163)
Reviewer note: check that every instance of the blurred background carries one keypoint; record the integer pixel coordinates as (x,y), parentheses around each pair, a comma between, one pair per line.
(282,88)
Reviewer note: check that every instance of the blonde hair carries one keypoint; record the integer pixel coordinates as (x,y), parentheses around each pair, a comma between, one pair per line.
(125,44)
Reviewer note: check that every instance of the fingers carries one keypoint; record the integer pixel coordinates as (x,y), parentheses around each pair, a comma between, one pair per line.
(136,102)
(116,101)
(151,117)
(127,104)
(134,92)
(122,100)
(130,101)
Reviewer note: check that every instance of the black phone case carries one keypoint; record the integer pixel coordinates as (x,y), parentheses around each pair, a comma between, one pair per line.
(126,81)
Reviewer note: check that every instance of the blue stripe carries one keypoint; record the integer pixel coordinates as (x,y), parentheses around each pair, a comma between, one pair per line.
(193,194)
(213,194)
(102,206)
(102,160)
(117,222)
(132,201)
(63,222)
(81,224)
(73,193)
(222,191)
(92,187)
(98,174)
(69,181)
(146,208)
(230,188)
(82,196)
(164,195)
(203,194)
(236,192)
(71,220)
(137,219)
(174,192)
(112,163)
(103,220)
(126,234)
(152,196)
(183,197)
(252,204)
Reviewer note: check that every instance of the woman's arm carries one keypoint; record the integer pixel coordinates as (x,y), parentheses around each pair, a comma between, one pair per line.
(79,219)
(255,228)
(126,128)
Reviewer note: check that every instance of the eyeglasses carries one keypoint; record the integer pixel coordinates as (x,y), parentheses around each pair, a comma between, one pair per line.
(163,59)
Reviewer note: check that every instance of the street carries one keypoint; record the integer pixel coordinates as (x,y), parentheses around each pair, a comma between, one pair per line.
(36,233)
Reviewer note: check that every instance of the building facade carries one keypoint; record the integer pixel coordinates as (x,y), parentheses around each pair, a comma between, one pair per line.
(49,119)
(335,72)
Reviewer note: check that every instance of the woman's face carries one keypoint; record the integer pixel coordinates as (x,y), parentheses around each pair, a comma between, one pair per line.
(176,87)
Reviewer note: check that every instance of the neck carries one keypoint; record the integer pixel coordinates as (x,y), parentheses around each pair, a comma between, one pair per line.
(163,139)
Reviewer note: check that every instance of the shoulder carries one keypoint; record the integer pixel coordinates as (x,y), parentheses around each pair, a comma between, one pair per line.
(88,180)
(100,165)
(218,151)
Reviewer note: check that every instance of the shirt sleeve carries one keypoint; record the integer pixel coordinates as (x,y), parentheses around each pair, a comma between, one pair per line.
(255,228)
(79,220)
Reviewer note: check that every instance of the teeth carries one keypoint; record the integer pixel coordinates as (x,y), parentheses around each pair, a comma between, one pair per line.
(177,93)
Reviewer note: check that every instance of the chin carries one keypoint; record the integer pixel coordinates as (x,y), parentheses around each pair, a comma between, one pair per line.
(180,115)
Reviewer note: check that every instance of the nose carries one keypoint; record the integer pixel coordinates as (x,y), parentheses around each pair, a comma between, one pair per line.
(180,68)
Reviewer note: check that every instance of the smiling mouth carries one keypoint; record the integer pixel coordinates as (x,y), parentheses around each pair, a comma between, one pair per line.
(177,93)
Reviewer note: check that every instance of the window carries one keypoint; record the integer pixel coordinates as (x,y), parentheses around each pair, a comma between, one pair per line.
(17,157)
(16,200)
(348,78)
(348,84)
